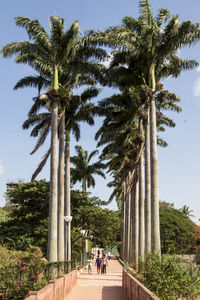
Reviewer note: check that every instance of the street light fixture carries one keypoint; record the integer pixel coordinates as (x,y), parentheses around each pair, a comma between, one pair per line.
(68,219)
(83,231)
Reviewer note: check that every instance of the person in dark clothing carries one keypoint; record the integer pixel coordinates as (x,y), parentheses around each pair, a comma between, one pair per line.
(98,264)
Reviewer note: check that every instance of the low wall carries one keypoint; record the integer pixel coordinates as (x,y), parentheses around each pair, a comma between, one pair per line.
(55,290)
(136,290)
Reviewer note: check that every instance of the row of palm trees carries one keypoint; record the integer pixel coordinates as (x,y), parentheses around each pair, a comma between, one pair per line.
(144,53)
(63,61)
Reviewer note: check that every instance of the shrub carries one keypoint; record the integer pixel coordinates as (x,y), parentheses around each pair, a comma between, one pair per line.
(21,272)
(168,278)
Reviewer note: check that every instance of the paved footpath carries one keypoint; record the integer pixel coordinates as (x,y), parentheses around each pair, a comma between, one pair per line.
(100,286)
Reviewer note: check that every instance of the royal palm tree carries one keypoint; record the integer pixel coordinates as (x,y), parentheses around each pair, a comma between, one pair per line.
(150,49)
(76,111)
(84,170)
(121,132)
(49,53)
(118,127)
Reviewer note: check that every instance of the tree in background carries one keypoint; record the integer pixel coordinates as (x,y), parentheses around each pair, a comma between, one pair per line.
(27,224)
(178,233)
(84,170)
(186,211)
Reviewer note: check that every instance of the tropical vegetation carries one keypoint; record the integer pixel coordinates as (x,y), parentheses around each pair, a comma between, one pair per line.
(21,271)
(143,52)
(27,223)
(168,277)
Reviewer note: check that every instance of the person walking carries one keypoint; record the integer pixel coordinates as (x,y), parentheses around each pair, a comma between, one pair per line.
(98,264)
(104,264)
(89,266)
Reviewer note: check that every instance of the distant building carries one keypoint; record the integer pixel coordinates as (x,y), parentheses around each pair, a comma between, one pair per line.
(10,186)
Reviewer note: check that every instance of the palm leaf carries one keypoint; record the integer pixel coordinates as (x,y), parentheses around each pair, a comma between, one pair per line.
(41,165)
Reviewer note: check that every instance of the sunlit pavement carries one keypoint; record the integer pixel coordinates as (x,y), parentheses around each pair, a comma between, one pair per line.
(100,286)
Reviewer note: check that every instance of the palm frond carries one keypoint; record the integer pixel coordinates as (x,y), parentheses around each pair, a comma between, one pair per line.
(43,135)
(145,13)
(41,165)
(35,32)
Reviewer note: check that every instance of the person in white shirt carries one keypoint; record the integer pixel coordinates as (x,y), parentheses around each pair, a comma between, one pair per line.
(89,266)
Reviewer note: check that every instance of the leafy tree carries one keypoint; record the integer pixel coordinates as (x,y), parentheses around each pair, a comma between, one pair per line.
(4,213)
(28,223)
(178,233)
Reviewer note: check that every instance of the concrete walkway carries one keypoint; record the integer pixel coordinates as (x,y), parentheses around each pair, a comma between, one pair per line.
(100,286)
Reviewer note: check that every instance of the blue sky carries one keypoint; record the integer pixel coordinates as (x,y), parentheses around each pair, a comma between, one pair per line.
(179,163)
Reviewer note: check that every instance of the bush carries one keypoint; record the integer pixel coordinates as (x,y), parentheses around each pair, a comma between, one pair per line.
(168,278)
(21,272)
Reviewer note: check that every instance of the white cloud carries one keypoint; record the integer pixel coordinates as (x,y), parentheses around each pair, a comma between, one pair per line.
(198,69)
(1,168)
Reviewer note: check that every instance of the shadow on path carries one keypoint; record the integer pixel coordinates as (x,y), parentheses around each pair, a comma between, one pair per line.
(113,293)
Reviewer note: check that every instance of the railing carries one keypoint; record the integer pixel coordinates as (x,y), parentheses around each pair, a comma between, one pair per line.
(112,250)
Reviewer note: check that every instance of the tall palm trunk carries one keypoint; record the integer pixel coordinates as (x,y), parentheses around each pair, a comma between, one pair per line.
(128,223)
(134,226)
(122,225)
(147,189)
(141,209)
(84,184)
(52,228)
(124,222)
(61,188)
(67,198)
(154,166)
(132,231)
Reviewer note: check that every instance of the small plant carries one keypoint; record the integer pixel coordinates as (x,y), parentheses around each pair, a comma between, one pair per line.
(21,272)
(168,278)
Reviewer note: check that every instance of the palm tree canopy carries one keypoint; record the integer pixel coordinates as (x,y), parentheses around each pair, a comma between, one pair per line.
(84,170)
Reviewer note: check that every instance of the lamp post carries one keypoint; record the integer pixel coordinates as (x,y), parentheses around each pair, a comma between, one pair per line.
(68,220)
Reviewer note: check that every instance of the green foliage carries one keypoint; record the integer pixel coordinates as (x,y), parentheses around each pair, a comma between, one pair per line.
(20,272)
(168,278)
(4,214)
(177,231)
(84,169)
(102,224)
(107,228)
(27,224)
